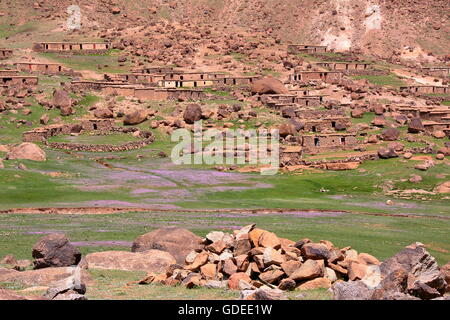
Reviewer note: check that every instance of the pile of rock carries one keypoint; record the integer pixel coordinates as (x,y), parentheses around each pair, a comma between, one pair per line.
(252,258)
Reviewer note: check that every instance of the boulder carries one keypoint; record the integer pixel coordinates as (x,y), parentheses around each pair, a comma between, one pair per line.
(233,281)
(74,284)
(351,290)
(135,117)
(309,270)
(41,277)
(151,260)
(103,113)
(269,85)
(415,126)
(387,153)
(317,283)
(315,251)
(55,250)
(61,99)
(10,295)
(390,134)
(192,113)
(263,294)
(177,241)
(424,279)
(287,129)
(26,151)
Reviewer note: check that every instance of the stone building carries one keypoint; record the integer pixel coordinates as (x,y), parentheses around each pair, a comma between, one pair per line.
(306,48)
(45,68)
(87,124)
(139,91)
(317,143)
(5,53)
(4,73)
(325,76)
(343,66)
(133,78)
(75,47)
(19,80)
(443,72)
(154,70)
(326,124)
(423,89)
(186,83)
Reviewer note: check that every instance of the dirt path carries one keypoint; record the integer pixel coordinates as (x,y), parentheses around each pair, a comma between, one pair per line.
(424,80)
(107,210)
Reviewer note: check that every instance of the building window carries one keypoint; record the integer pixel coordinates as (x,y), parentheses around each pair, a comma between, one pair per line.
(316,141)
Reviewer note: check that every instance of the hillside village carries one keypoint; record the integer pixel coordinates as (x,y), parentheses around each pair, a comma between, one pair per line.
(87,118)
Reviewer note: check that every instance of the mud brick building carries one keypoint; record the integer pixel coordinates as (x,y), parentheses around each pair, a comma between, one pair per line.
(443,72)
(327,124)
(139,91)
(19,80)
(45,68)
(422,89)
(344,66)
(4,73)
(133,78)
(197,75)
(275,101)
(153,70)
(186,83)
(232,81)
(86,124)
(5,53)
(72,47)
(306,48)
(325,76)
(328,142)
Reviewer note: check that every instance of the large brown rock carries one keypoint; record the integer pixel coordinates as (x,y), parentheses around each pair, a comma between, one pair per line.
(10,295)
(135,117)
(151,260)
(309,270)
(269,86)
(61,99)
(41,277)
(55,250)
(103,113)
(390,134)
(192,113)
(415,126)
(351,290)
(26,151)
(177,241)
(424,279)
(233,281)
(445,270)
(315,251)
(287,129)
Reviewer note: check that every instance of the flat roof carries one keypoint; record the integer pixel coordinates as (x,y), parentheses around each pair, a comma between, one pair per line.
(73,42)
(41,63)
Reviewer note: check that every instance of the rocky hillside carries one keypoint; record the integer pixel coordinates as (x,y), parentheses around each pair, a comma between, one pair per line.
(379,27)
